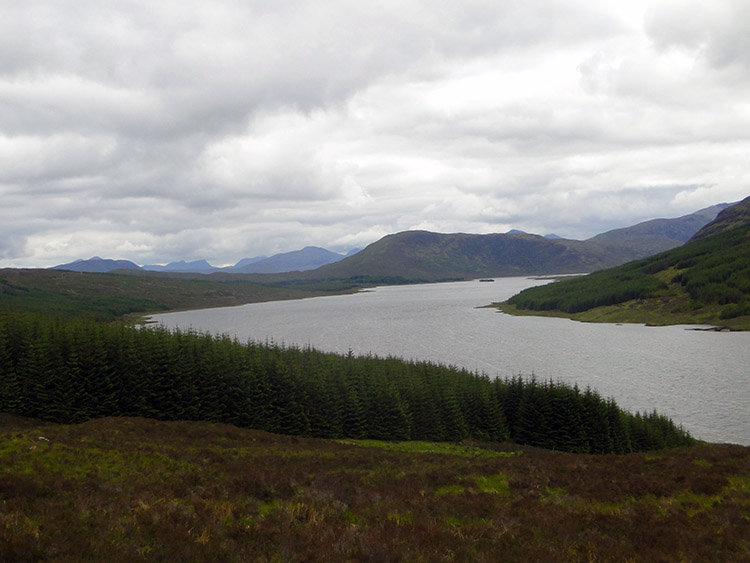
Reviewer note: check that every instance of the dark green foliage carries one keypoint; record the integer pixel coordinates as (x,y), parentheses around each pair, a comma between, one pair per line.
(714,271)
(70,371)
(111,295)
(608,287)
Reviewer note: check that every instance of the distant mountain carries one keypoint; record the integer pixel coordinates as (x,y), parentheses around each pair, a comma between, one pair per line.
(704,281)
(657,235)
(247,261)
(309,258)
(196,266)
(432,256)
(97,265)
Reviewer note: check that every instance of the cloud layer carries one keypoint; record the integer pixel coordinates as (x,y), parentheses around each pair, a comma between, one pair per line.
(228,129)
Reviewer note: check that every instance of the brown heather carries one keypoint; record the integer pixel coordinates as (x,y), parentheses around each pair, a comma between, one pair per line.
(132,489)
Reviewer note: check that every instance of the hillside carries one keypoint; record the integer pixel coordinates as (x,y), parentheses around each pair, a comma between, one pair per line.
(453,255)
(658,235)
(734,216)
(134,489)
(706,281)
(109,295)
(422,255)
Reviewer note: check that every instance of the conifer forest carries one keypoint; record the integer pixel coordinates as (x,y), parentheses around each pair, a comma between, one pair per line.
(75,370)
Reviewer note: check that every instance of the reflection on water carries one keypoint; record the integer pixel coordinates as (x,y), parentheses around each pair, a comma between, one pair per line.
(700,379)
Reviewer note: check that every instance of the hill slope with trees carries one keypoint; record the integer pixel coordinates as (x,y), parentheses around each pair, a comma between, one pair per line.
(72,371)
(706,281)
(658,235)
(106,296)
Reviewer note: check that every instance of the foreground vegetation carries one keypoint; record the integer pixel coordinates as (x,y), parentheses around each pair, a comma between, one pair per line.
(325,457)
(132,489)
(706,281)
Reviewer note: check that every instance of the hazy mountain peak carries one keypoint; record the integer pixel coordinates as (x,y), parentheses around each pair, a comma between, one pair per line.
(308,258)
(657,235)
(97,265)
(196,266)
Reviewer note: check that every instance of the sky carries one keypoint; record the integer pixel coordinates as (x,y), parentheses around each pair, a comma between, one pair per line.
(226,129)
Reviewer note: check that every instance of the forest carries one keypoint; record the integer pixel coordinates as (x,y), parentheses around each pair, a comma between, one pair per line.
(707,276)
(73,370)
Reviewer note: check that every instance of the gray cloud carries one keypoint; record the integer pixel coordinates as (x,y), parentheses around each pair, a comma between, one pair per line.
(717,32)
(221,130)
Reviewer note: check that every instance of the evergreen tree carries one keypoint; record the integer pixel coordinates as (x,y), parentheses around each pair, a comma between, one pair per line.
(534,416)
(73,371)
(596,423)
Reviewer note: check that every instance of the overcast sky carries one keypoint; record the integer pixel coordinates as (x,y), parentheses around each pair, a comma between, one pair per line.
(224,129)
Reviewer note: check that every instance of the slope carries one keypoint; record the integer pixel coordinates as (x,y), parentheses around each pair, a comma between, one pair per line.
(658,235)
(427,256)
(734,216)
(138,489)
(113,294)
(705,281)
(423,255)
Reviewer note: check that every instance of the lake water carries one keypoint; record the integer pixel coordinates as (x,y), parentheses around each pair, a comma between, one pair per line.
(699,379)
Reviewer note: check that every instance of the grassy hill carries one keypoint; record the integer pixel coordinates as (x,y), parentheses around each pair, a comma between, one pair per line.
(427,256)
(705,281)
(109,295)
(422,255)
(134,489)
(734,216)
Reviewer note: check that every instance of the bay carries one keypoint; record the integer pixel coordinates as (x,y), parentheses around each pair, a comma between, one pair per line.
(699,379)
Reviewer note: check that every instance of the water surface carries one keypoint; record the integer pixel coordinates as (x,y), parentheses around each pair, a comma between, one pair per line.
(699,379)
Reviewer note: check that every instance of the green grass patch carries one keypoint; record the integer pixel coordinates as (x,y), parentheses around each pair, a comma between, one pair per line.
(417,446)
(451,490)
(493,484)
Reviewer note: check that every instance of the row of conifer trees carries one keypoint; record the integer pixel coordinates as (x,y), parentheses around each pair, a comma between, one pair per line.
(72,371)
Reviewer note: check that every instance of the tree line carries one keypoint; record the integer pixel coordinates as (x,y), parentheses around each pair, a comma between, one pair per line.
(713,271)
(74,370)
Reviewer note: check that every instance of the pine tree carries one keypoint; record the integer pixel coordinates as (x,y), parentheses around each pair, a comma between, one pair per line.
(533,419)
(596,423)
(483,413)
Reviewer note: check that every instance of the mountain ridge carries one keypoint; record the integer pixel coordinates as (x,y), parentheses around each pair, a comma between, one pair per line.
(435,256)
(734,215)
(97,265)
(308,258)
(656,235)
